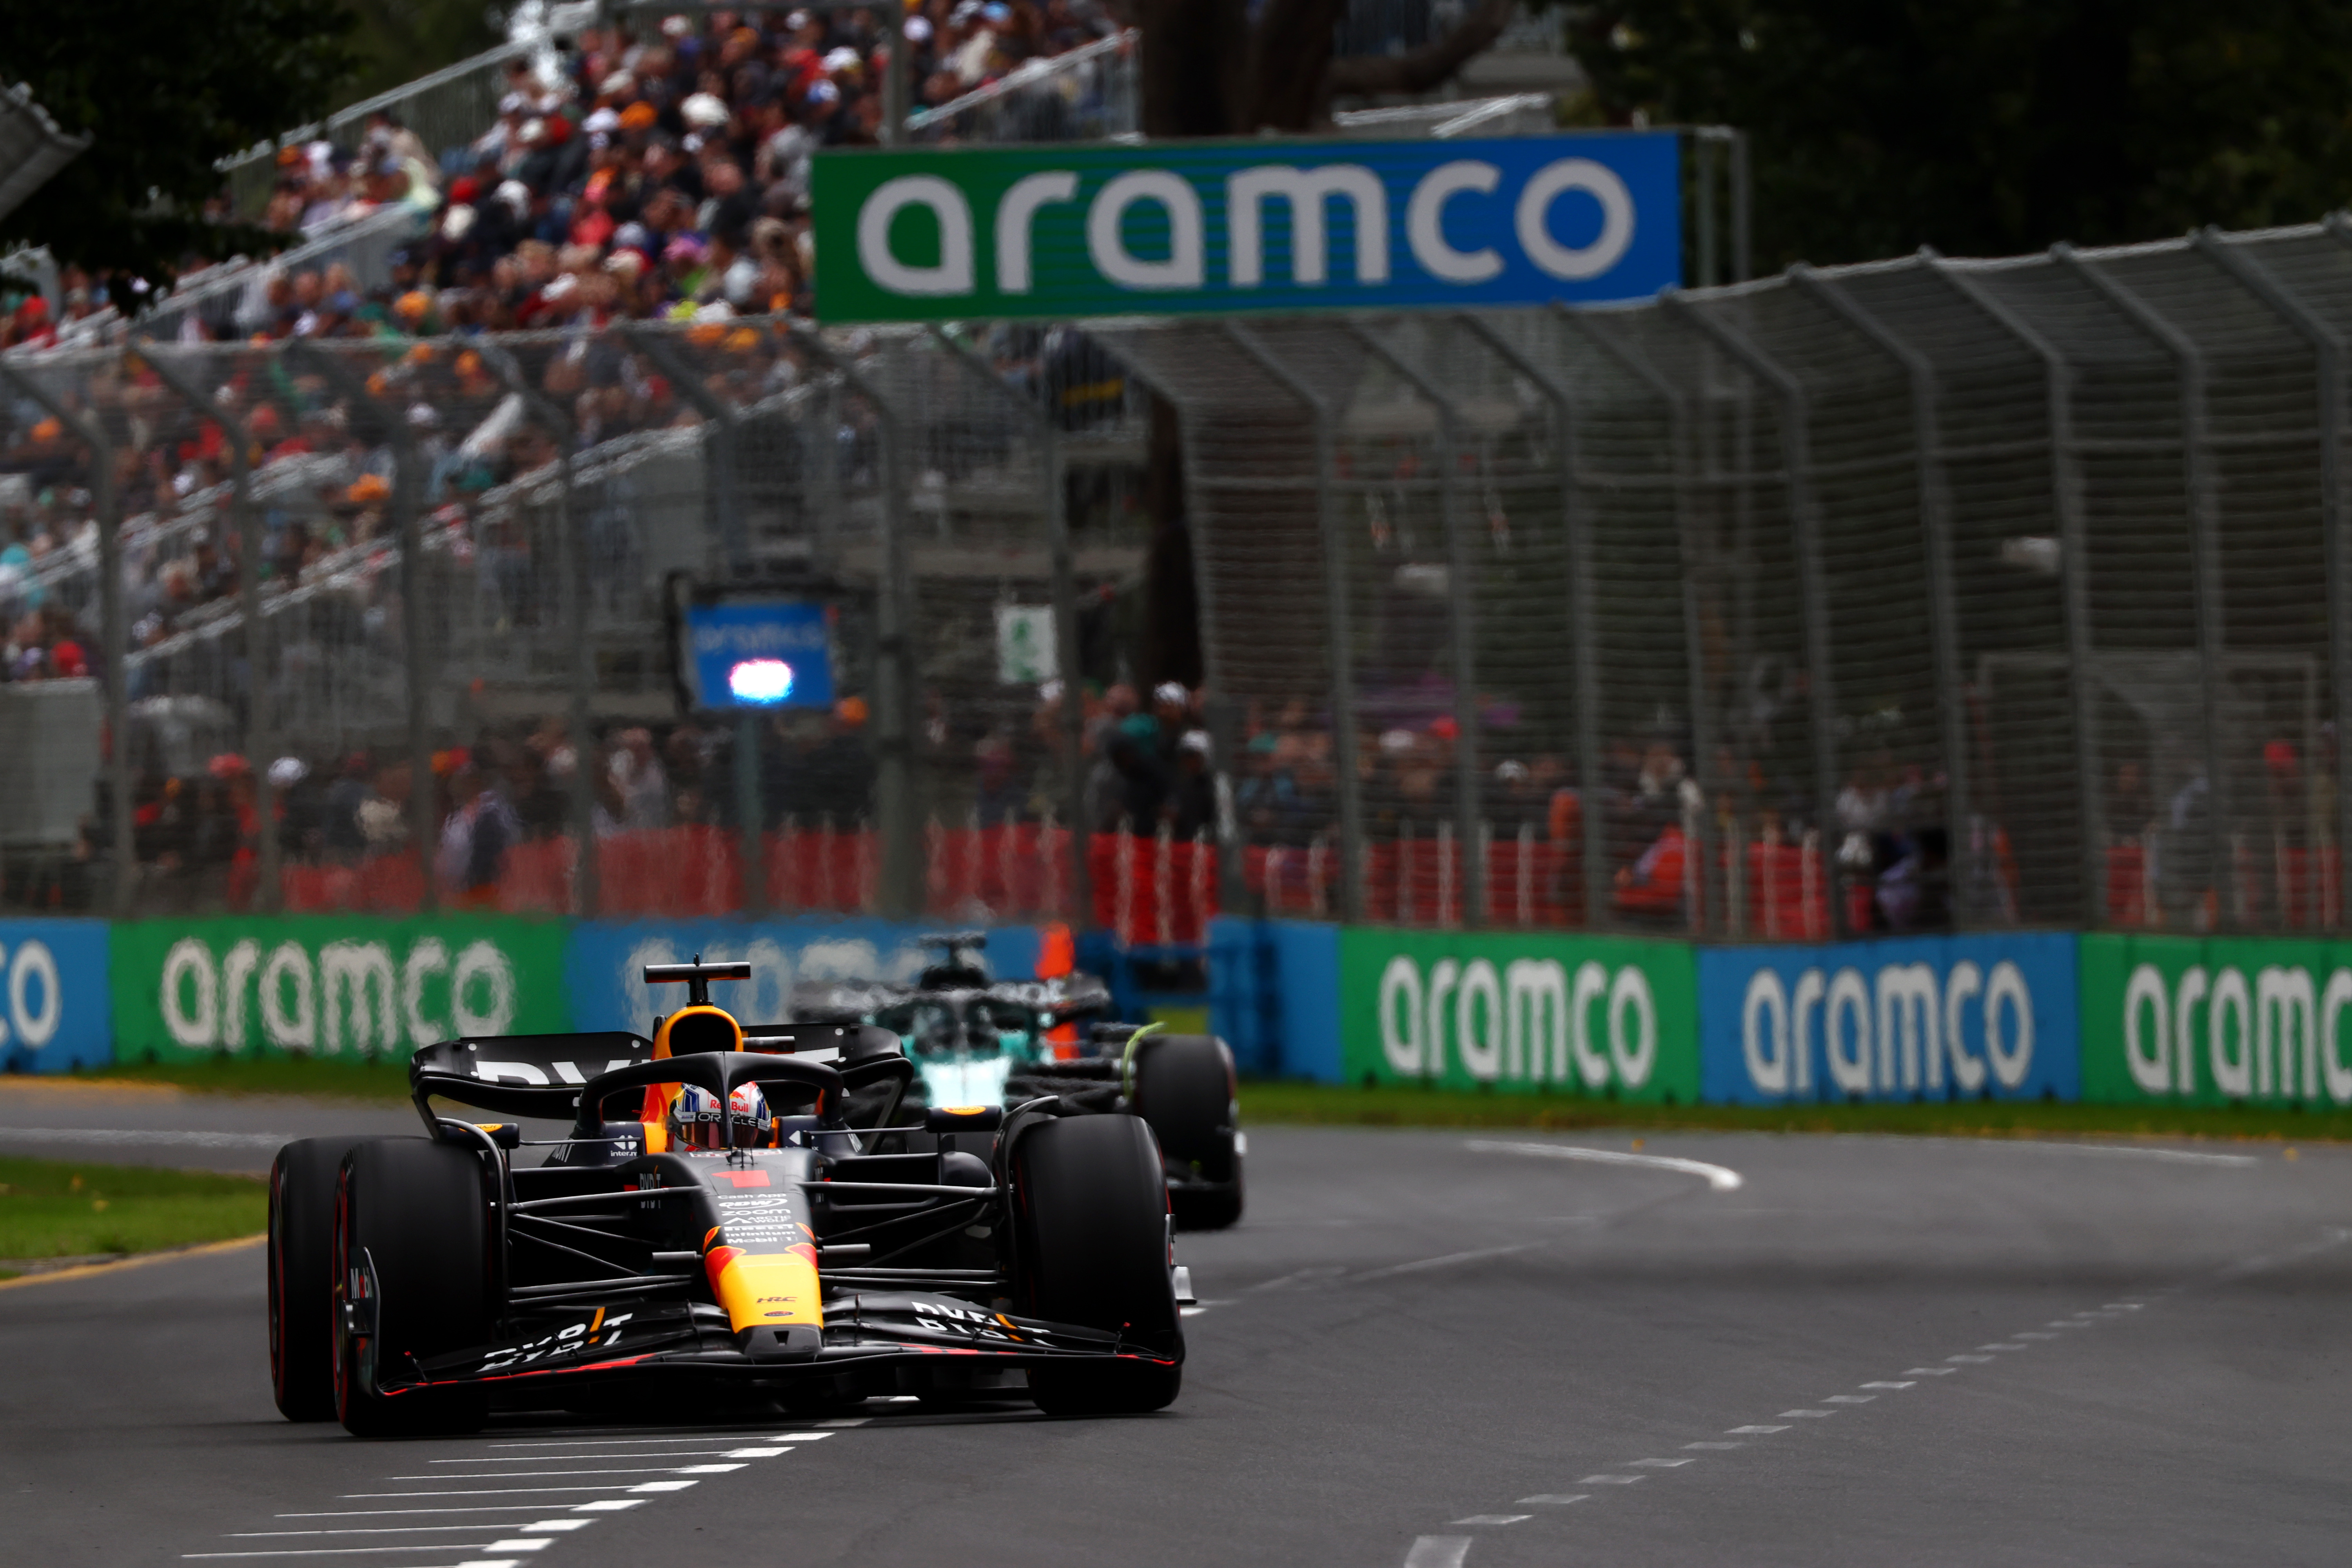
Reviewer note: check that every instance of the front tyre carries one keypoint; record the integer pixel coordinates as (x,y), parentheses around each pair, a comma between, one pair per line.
(302,1276)
(412,1280)
(1091,1221)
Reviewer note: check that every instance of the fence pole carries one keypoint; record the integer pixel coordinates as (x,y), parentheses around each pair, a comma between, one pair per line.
(1065,617)
(1337,613)
(113,632)
(1461,624)
(407,490)
(724,448)
(2327,349)
(1743,208)
(586,899)
(1583,631)
(1804,507)
(1936,524)
(1702,705)
(1704,161)
(893,675)
(2074,564)
(2205,539)
(258,732)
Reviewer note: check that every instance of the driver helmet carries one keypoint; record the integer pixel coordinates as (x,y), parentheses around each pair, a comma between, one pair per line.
(698,1121)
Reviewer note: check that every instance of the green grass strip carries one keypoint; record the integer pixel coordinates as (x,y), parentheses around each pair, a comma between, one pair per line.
(52,1208)
(378,1082)
(1387,1106)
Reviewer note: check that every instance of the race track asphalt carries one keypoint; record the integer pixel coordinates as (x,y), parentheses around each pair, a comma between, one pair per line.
(1414,1351)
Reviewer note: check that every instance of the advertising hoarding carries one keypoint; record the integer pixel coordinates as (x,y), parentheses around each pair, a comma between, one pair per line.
(1256,225)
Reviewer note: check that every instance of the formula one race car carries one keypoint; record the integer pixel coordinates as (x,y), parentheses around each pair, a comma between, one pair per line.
(715,1214)
(978,1041)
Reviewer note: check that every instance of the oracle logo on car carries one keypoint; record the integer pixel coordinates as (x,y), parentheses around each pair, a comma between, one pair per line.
(1921,1019)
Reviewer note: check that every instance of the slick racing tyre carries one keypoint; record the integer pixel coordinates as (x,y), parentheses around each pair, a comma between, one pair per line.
(412,1220)
(1184,1088)
(1091,1235)
(302,1276)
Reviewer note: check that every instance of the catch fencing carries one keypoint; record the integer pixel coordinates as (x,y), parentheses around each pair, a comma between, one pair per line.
(1919,595)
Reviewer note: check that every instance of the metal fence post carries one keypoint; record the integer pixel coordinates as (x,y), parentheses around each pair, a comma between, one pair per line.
(2075,563)
(1936,522)
(1066,619)
(258,732)
(1583,633)
(1804,509)
(894,676)
(586,899)
(2205,537)
(1702,705)
(1461,626)
(1337,613)
(407,487)
(724,448)
(114,633)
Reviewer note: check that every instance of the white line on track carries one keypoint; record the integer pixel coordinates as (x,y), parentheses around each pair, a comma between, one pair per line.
(390,1512)
(546,1475)
(1446,1260)
(378,1551)
(519,1491)
(1883,1385)
(143,1135)
(1715,1446)
(1737,1430)
(1495,1518)
(1722,1178)
(1553,1499)
(672,1454)
(1438,1552)
(2135,1151)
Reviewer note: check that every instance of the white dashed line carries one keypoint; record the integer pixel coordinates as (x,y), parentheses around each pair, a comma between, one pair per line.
(2178,1156)
(1438,1552)
(1889,1385)
(2004,1347)
(1715,1445)
(608,1505)
(1967,1358)
(1493,1519)
(1929,1371)
(545,1474)
(1658,1463)
(1739,1431)
(1849,1399)
(1609,1480)
(1806,1414)
(1722,1178)
(1553,1499)
(678,1454)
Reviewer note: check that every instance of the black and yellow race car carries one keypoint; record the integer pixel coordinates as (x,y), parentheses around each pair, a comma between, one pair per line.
(717,1212)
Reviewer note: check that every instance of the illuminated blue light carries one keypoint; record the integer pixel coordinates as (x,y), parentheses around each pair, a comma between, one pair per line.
(761,682)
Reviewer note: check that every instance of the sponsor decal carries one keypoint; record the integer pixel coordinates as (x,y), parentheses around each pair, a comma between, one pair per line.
(1525,1011)
(54,1005)
(1905,1018)
(2216,1021)
(1245,224)
(332,986)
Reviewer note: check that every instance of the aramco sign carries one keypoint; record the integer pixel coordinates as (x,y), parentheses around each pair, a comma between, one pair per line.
(1249,226)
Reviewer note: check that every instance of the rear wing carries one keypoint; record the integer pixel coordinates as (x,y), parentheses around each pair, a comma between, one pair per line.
(521,1075)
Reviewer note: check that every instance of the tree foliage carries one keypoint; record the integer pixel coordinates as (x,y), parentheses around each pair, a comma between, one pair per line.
(399,40)
(1998,126)
(165,90)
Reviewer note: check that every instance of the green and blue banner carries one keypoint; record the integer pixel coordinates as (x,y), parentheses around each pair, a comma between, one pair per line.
(1520,1011)
(2216,1021)
(54,1005)
(1225,227)
(1956,1017)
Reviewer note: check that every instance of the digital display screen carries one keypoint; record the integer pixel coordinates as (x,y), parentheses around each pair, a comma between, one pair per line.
(759,653)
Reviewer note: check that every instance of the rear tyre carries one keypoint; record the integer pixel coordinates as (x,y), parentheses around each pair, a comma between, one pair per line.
(302,1276)
(413,1213)
(1184,1088)
(1091,1230)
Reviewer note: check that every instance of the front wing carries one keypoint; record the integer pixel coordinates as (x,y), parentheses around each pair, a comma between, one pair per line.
(872,1342)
